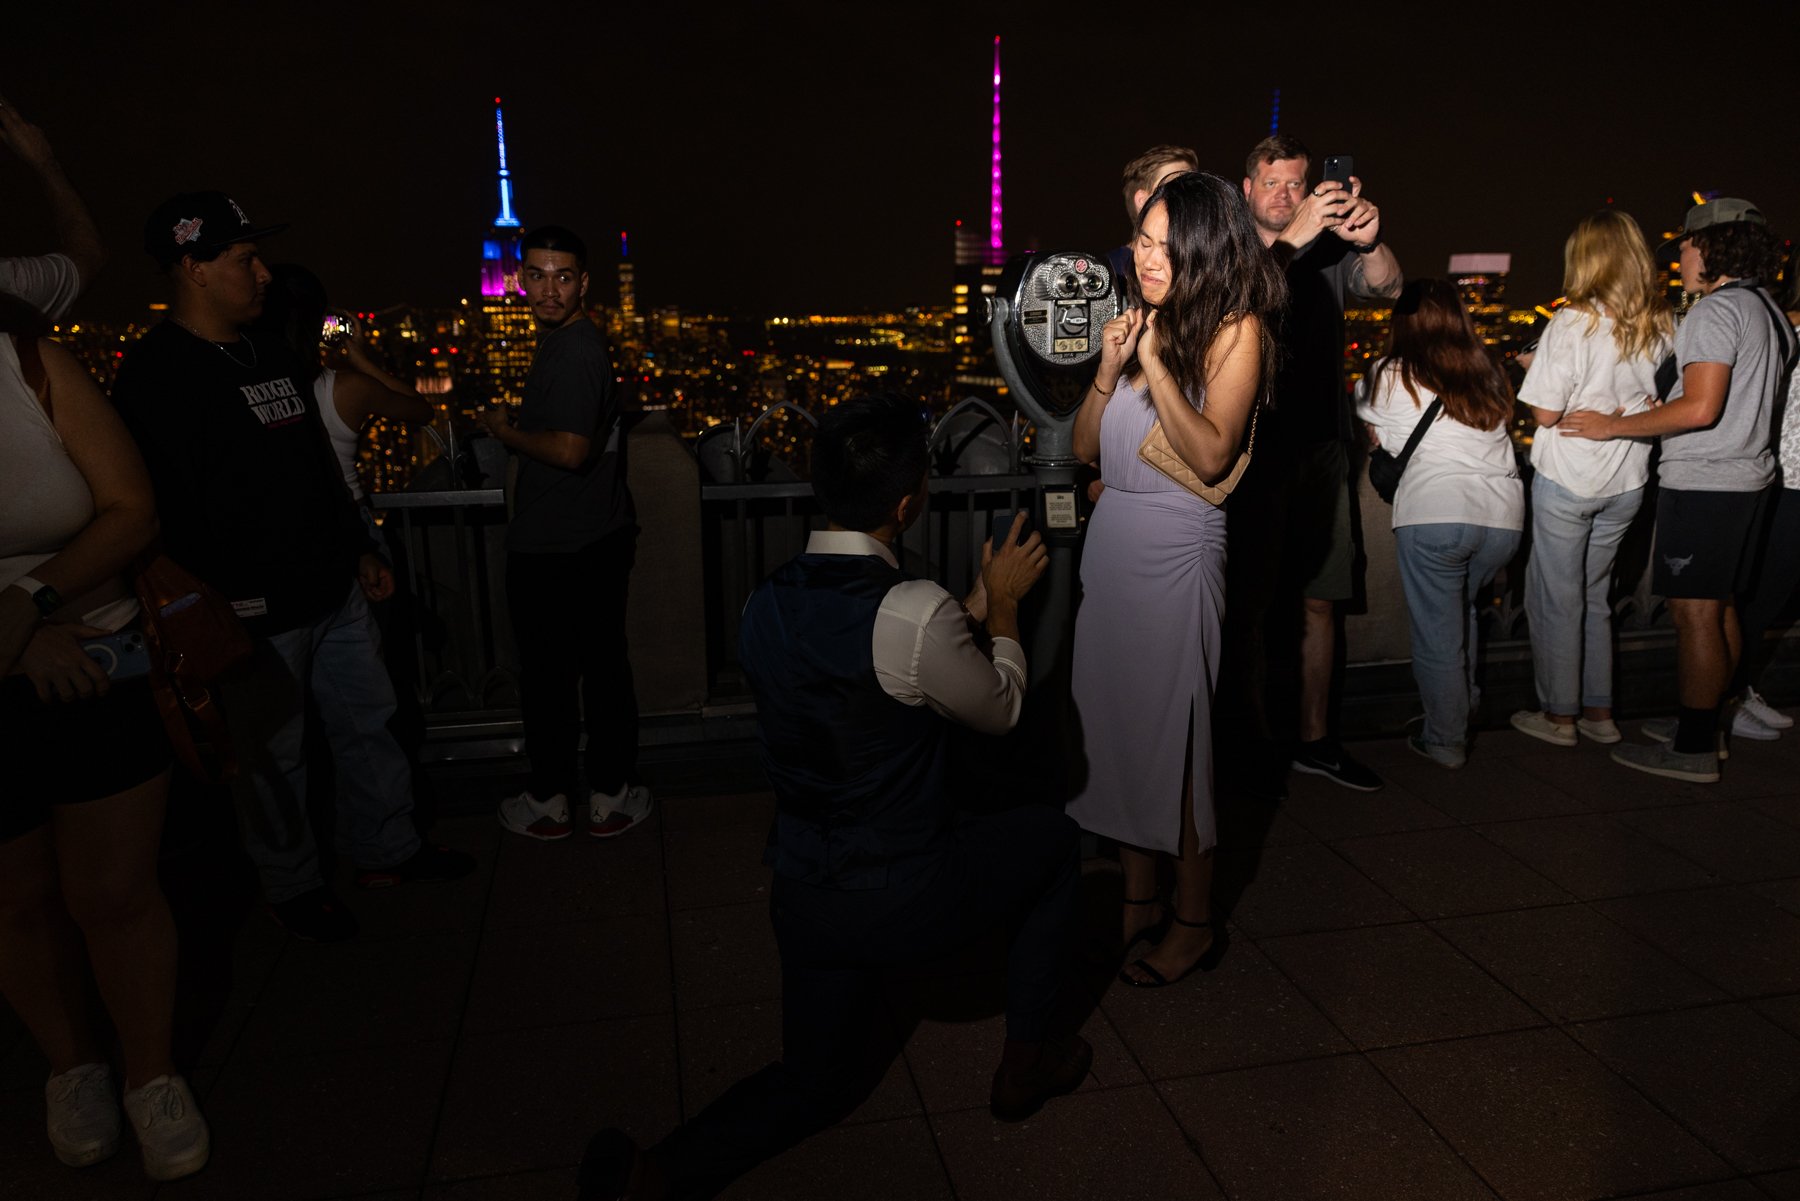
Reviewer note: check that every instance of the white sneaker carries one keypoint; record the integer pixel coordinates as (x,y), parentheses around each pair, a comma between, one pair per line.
(1745,724)
(1764,712)
(611,816)
(169,1128)
(525,814)
(83,1114)
(1539,725)
(1604,731)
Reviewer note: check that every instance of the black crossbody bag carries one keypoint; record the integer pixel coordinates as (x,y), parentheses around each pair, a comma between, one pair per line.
(1385,470)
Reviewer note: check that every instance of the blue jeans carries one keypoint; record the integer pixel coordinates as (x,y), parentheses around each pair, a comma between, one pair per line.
(1441,566)
(336,662)
(1574,540)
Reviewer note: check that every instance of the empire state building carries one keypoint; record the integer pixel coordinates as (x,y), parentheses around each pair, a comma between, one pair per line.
(508,338)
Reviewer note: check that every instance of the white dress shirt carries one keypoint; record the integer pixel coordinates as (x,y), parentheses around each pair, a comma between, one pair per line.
(925,652)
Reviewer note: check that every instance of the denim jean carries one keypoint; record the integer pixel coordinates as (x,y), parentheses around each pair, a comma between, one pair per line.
(334,661)
(1441,566)
(1574,540)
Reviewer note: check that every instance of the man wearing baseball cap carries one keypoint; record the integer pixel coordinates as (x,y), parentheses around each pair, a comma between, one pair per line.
(1733,352)
(251,502)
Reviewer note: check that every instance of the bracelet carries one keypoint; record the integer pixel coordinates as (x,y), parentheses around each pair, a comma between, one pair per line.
(1104,391)
(1371,248)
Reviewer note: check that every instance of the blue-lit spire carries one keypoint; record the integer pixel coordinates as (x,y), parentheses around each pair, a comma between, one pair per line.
(1274,121)
(506,218)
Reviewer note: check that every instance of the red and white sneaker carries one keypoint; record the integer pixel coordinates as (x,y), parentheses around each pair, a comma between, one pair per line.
(611,816)
(525,814)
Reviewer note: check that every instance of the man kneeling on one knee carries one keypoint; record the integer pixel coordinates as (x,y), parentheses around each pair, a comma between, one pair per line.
(859,673)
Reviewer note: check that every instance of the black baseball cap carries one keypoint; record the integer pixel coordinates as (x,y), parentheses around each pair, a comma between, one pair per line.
(200,224)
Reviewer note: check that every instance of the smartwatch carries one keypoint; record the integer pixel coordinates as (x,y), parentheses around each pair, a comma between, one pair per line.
(47,599)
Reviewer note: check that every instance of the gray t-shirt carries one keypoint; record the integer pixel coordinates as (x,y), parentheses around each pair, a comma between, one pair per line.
(570,389)
(1737,325)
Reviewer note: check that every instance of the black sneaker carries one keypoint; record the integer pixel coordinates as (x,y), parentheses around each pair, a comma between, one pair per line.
(316,916)
(427,863)
(1329,759)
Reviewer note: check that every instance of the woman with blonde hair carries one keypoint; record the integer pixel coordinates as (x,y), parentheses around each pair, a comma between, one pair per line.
(1599,353)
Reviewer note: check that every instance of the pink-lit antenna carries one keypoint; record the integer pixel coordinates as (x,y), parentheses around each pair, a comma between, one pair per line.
(995,239)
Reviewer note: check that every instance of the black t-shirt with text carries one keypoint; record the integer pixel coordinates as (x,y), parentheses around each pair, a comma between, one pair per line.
(247,492)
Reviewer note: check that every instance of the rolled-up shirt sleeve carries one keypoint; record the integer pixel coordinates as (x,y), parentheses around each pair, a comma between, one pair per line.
(925,654)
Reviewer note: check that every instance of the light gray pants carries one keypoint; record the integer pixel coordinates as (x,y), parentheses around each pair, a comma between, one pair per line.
(335,662)
(1568,582)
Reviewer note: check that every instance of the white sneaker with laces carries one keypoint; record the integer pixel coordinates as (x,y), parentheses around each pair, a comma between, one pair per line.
(169,1128)
(610,816)
(1764,712)
(525,814)
(1745,724)
(83,1114)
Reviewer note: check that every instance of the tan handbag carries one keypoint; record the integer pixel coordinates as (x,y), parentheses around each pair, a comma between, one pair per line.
(1157,452)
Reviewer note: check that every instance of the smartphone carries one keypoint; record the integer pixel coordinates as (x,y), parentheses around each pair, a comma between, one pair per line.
(336,329)
(1339,168)
(123,656)
(1002,530)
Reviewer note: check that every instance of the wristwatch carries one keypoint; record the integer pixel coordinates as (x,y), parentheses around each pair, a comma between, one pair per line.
(1371,248)
(47,599)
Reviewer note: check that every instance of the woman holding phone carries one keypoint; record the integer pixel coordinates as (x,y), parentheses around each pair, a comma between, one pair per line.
(86,766)
(1194,355)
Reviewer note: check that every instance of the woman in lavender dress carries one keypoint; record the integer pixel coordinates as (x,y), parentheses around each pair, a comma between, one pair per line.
(1194,357)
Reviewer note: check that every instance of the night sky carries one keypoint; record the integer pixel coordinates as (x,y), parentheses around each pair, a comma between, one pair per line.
(792,158)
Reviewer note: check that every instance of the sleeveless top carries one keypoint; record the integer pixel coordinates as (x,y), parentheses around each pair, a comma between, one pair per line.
(343,438)
(1124,425)
(44,499)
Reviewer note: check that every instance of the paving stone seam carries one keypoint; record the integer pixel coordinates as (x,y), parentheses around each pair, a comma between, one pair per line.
(204,1092)
(456,1035)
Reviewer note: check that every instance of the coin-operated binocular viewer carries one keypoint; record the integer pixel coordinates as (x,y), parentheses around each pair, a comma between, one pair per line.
(1045,321)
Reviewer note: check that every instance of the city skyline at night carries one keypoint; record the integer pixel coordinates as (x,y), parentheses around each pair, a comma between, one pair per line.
(789,163)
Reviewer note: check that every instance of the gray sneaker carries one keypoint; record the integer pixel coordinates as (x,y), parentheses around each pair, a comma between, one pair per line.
(1664,729)
(1701,767)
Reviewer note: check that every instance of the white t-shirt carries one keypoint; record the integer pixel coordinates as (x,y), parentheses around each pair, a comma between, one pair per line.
(1457,474)
(1789,450)
(1576,369)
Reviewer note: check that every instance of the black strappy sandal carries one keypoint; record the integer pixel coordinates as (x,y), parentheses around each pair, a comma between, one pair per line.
(1206,963)
(1156,929)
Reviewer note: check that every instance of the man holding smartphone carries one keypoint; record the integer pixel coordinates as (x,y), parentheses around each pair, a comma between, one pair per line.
(1290,532)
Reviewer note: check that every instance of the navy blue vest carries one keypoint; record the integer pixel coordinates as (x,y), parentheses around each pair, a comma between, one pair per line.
(858,776)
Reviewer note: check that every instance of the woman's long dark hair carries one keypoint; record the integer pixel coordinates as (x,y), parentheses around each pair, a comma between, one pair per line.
(293,310)
(1434,344)
(1218,268)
